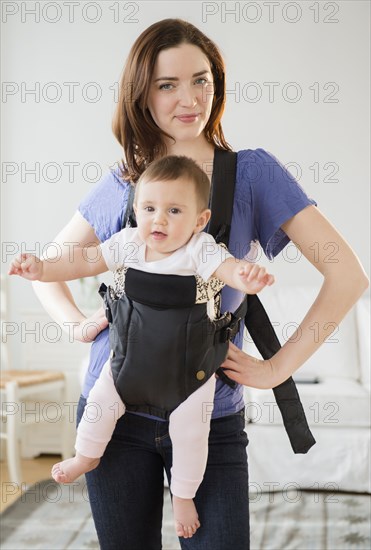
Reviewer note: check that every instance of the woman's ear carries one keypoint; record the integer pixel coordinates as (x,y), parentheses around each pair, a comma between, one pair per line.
(202,220)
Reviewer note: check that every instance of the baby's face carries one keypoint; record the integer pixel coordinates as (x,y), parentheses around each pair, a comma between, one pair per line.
(167,215)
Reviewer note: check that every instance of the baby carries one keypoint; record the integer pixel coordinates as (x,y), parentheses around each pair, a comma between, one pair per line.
(171,206)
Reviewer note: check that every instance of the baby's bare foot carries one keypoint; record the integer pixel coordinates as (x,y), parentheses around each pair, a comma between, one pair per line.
(185,517)
(72,468)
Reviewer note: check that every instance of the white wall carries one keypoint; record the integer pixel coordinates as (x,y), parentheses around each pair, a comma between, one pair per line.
(295,45)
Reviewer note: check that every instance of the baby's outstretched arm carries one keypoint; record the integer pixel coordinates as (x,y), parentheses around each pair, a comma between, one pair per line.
(69,265)
(27,266)
(248,277)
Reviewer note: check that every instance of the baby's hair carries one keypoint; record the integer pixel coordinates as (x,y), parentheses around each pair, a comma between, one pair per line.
(174,167)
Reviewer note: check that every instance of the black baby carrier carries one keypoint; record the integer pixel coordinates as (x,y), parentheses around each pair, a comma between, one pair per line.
(164,345)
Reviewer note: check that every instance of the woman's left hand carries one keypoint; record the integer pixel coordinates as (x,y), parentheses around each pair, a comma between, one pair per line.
(250,371)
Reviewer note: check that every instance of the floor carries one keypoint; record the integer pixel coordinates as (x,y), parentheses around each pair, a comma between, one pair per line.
(316,520)
(33,470)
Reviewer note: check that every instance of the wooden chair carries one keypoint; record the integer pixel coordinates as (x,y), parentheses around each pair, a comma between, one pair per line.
(26,396)
(19,411)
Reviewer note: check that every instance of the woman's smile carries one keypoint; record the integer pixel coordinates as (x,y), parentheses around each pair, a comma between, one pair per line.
(188,118)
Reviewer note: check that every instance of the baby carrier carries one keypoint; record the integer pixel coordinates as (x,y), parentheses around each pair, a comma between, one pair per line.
(164,346)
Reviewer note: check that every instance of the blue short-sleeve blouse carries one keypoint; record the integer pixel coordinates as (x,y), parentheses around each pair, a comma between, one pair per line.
(266,196)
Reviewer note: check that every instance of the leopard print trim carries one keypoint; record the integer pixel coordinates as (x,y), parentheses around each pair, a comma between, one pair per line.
(119,283)
(205,291)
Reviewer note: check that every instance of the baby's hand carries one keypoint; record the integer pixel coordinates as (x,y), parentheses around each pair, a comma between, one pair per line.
(254,278)
(28,266)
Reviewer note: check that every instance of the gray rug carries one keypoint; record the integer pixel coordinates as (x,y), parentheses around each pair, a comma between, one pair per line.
(50,516)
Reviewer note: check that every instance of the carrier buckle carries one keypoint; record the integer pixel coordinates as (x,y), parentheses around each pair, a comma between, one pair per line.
(231,330)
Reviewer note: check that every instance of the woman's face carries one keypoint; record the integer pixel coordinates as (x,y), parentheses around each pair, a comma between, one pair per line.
(181,92)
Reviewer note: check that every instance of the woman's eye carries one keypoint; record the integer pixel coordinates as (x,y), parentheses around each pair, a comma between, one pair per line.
(201,81)
(166,86)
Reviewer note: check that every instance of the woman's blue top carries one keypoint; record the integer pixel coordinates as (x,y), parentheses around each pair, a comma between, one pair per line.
(266,196)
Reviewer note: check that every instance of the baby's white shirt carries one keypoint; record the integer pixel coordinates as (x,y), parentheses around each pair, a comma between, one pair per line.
(201,255)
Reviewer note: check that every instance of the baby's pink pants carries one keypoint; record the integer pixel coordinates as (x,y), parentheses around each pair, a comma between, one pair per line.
(189,426)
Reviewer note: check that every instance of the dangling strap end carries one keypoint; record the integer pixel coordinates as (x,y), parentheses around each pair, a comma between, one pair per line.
(224,378)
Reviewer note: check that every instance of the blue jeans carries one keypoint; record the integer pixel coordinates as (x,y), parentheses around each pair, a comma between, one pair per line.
(126,490)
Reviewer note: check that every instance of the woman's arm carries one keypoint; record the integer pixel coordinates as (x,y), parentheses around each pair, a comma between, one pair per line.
(344,282)
(56,298)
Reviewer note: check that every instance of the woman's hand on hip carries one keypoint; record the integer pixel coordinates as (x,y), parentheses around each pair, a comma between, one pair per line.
(89,328)
(250,371)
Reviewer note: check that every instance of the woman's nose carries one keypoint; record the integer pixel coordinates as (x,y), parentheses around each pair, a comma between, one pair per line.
(187,96)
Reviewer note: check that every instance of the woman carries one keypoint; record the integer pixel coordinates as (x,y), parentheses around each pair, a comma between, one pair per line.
(172,97)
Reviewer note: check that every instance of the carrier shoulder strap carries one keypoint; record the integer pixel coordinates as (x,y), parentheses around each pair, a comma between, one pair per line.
(128,219)
(222,195)
(256,319)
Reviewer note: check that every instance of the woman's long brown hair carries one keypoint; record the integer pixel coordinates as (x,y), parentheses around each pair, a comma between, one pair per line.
(133,126)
